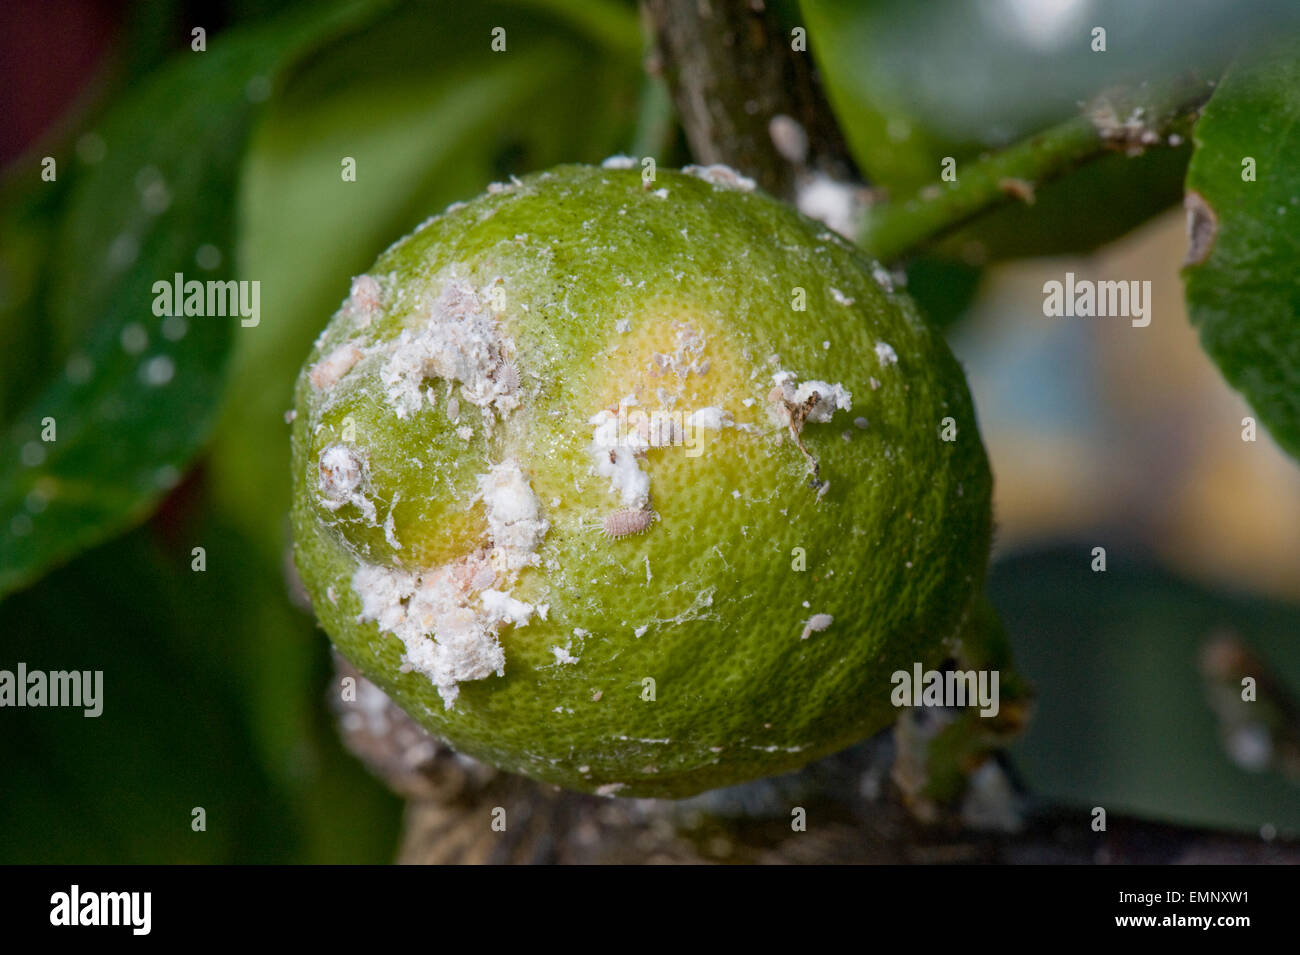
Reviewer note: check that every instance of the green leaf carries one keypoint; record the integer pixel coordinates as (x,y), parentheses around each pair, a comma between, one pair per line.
(1124,716)
(120,787)
(30,208)
(1241,287)
(943,288)
(128,400)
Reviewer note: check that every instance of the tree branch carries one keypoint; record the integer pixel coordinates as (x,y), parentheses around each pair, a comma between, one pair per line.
(855,814)
(731,70)
(1125,121)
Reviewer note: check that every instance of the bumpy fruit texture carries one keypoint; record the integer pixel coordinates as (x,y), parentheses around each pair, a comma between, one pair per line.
(582,487)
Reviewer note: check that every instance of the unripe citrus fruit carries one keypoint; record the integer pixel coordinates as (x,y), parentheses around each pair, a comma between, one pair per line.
(640,489)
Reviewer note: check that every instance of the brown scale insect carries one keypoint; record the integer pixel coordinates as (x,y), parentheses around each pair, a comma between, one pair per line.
(628,521)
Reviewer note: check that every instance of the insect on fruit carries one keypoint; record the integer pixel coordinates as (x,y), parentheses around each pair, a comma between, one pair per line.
(628,521)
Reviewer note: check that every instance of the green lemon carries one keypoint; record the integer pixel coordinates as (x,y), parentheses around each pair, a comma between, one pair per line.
(640,486)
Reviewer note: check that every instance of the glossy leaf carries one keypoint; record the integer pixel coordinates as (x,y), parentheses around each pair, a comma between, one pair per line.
(1242,292)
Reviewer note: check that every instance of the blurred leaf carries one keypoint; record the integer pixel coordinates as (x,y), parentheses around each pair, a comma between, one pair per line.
(130,404)
(1123,716)
(1241,287)
(657,129)
(943,288)
(272,652)
(609,25)
(120,787)
(184,721)
(29,209)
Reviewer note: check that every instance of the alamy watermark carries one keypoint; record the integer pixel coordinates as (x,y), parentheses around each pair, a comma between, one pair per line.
(953,688)
(640,429)
(212,298)
(1084,298)
(75,688)
(75,907)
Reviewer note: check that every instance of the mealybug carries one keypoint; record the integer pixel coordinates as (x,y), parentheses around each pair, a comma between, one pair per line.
(628,521)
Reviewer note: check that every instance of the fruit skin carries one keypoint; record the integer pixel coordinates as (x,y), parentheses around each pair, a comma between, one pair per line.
(896,545)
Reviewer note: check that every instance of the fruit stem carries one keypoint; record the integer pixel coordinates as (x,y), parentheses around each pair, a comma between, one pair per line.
(1121,120)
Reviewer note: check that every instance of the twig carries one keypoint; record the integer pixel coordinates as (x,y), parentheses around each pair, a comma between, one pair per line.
(1129,122)
(854,814)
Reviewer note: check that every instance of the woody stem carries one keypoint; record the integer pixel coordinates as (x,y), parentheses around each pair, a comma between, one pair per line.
(1157,115)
